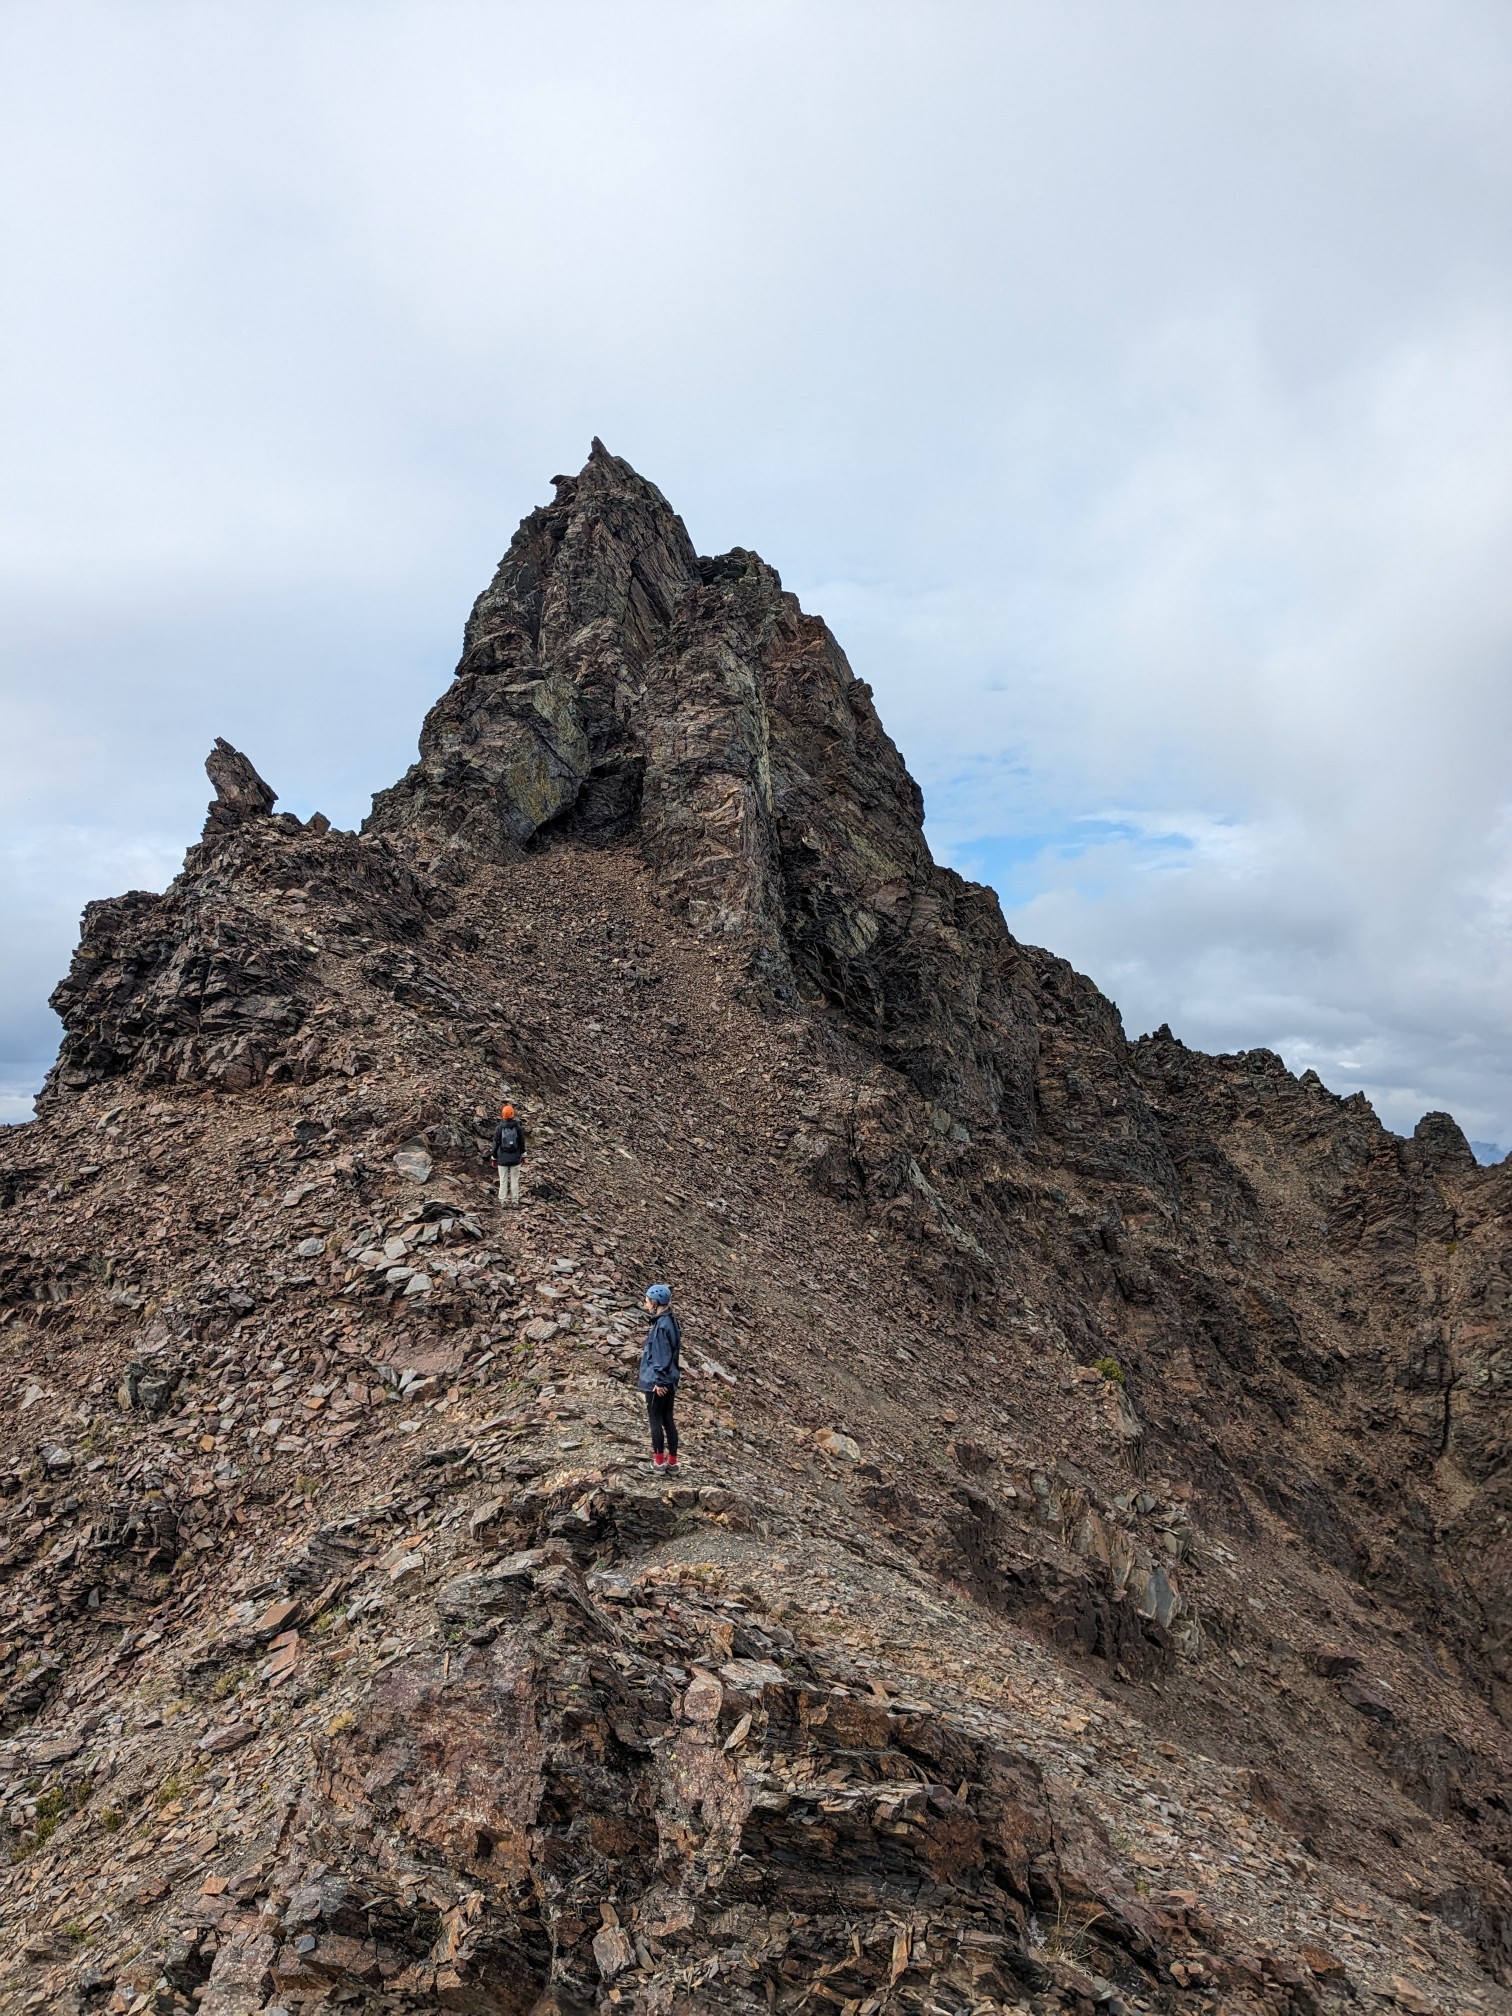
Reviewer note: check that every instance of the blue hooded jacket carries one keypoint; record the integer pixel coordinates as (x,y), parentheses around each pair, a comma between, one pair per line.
(659,1364)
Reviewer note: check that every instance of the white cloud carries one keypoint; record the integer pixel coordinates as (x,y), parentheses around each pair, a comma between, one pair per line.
(1298,622)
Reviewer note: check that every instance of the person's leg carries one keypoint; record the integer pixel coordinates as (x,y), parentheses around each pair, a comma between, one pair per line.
(654,1416)
(514,1184)
(667,1416)
(503,1184)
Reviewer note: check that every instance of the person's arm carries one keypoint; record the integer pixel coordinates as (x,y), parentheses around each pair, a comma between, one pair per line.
(661,1354)
(522,1140)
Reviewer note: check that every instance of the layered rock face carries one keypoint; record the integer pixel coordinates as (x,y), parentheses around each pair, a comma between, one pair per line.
(1085,1587)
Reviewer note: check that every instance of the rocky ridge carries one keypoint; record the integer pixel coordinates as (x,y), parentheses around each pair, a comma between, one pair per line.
(1087,1583)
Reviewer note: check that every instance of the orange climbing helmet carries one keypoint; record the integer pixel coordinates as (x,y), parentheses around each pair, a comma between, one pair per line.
(506,1112)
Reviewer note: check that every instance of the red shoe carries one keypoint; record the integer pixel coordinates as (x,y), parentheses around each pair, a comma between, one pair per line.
(671,1462)
(659,1461)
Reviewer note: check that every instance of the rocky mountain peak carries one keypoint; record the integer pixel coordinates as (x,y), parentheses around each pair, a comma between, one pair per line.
(540,732)
(617,689)
(1086,1584)
(609,551)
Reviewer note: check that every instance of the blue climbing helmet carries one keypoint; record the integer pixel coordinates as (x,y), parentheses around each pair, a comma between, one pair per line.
(660,1294)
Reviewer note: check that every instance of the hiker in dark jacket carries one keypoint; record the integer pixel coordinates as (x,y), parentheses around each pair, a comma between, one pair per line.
(508,1154)
(660,1371)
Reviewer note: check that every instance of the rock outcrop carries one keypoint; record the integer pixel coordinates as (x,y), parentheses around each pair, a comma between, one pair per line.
(240,794)
(215,980)
(1086,1583)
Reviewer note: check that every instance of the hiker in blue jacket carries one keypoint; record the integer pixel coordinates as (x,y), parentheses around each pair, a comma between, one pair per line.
(660,1371)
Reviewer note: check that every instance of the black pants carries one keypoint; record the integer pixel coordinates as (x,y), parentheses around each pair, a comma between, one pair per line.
(663,1427)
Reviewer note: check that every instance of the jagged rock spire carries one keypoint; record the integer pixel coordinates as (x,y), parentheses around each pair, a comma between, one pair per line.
(537,727)
(1441,1143)
(240,794)
(615,686)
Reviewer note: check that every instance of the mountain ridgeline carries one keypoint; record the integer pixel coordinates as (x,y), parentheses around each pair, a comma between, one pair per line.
(1087,1583)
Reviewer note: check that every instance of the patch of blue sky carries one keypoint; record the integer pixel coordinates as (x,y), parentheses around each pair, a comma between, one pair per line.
(16,1099)
(1020,865)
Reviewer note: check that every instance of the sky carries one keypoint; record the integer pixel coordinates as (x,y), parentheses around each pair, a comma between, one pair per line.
(1130,387)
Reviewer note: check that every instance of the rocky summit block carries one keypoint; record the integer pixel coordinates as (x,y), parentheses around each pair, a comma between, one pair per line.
(240,794)
(1084,1585)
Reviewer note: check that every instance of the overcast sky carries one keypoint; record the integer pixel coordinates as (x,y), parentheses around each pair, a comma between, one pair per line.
(1130,386)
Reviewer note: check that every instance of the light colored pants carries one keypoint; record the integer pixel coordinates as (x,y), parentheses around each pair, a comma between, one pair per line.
(509,1183)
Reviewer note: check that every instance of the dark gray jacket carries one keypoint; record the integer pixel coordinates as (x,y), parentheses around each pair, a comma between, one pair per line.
(660,1364)
(508,1144)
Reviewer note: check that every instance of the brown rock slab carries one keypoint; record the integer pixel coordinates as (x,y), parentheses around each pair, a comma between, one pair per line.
(413,1162)
(276,1617)
(226,1737)
(1318,1960)
(1333,1663)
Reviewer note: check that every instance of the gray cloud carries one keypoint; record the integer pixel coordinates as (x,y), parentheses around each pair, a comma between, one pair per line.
(1131,388)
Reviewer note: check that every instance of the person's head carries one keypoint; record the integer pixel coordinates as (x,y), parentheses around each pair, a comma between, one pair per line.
(658,1298)
(506,1112)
